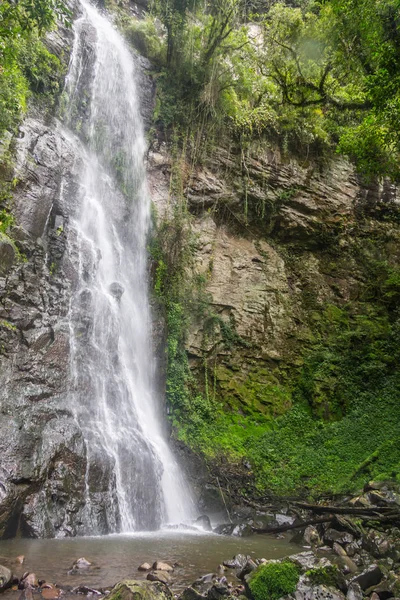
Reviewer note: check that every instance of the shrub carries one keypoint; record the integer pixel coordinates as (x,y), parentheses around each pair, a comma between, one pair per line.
(274,580)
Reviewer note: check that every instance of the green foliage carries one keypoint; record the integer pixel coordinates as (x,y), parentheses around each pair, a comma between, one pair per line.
(145,37)
(274,580)
(26,66)
(6,220)
(319,77)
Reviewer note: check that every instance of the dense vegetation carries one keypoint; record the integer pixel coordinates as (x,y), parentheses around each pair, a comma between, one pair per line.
(319,76)
(26,66)
(316,78)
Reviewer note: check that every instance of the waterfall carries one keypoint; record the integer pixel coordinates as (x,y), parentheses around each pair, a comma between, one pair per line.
(133,481)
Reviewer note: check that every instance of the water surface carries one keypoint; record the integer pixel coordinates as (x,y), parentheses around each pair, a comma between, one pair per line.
(118,556)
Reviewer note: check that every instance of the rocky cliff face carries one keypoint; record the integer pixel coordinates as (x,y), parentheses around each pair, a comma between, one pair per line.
(275,241)
(43,466)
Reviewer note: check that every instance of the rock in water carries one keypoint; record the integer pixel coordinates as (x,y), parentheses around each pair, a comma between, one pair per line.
(130,589)
(5,578)
(116,290)
(162,566)
(144,567)
(204,522)
(162,576)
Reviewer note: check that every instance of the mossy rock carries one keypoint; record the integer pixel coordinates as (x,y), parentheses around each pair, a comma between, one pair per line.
(329,575)
(273,580)
(130,589)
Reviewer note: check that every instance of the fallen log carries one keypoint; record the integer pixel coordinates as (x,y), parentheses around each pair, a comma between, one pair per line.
(288,527)
(346,510)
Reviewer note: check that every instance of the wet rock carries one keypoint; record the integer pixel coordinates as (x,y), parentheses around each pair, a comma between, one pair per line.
(354,592)
(352,548)
(204,522)
(162,566)
(28,580)
(308,560)
(86,591)
(144,567)
(224,528)
(389,586)
(242,530)
(130,589)
(337,548)
(248,568)
(368,578)
(162,576)
(237,562)
(342,523)
(305,591)
(6,578)
(51,592)
(7,255)
(20,559)
(81,564)
(374,596)
(347,565)
(116,290)
(218,590)
(377,544)
(340,537)
(199,589)
(311,536)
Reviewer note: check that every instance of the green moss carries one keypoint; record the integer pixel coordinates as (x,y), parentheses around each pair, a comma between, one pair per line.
(324,575)
(274,580)
(7,325)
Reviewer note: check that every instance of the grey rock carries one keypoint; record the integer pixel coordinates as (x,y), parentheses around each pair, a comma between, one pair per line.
(7,255)
(371,576)
(161,576)
(354,592)
(239,561)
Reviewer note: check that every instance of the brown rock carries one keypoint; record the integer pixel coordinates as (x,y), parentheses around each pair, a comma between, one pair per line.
(144,567)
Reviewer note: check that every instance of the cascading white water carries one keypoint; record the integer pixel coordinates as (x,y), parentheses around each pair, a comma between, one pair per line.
(133,481)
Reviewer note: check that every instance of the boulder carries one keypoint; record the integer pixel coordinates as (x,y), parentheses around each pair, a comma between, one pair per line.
(130,589)
(307,591)
(6,578)
(308,560)
(144,567)
(204,522)
(340,537)
(368,578)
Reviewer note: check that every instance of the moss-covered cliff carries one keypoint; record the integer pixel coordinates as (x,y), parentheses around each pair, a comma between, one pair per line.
(280,284)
